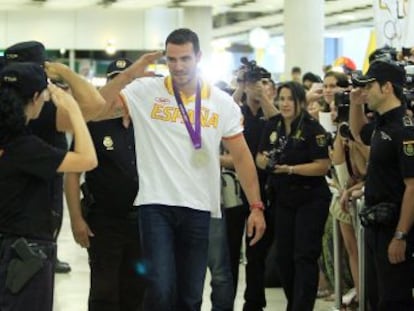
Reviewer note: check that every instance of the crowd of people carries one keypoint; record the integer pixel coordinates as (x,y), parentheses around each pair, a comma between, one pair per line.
(298,151)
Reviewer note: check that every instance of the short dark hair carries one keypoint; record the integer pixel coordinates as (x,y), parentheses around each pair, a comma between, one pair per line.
(296,69)
(12,115)
(182,36)
(397,90)
(311,77)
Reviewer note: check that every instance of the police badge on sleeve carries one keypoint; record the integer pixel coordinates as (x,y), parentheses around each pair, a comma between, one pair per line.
(408,147)
(321,140)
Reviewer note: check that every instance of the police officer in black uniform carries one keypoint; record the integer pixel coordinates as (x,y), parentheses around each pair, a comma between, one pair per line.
(389,187)
(108,226)
(28,166)
(51,126)
(257,88)
(294,150)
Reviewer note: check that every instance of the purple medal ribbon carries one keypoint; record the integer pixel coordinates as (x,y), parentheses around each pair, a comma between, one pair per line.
(195,134)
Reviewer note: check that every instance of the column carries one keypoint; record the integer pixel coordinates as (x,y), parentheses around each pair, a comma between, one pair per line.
(72,59)
(200,20)
(159,22)
(304,25)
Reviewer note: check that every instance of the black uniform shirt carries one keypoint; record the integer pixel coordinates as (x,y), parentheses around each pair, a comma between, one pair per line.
(114,183)
(306,142)
(253,129)
(391,157)
(27,166)
(44,127)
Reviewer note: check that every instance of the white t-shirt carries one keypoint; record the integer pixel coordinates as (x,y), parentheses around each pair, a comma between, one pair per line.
(165,153)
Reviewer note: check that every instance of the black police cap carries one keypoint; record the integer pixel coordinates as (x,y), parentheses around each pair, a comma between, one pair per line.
(382,71)
(117,66)
(28,51)
(26,78)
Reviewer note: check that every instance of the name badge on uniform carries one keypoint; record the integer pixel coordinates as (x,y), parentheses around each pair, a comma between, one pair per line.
(273,137)
(108,143)
(407,121)
(321,140)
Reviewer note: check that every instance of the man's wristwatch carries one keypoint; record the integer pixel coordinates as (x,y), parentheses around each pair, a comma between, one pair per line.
(399,235)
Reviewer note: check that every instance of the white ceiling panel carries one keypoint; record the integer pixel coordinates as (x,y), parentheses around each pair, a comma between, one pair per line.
(231,17)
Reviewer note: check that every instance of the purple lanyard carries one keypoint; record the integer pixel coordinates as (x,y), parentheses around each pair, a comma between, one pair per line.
(195,134)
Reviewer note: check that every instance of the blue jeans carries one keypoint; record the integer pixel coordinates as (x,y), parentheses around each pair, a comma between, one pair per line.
(175,245)
(219,265)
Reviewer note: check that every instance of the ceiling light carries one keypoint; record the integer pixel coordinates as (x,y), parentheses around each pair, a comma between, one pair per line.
(110,47)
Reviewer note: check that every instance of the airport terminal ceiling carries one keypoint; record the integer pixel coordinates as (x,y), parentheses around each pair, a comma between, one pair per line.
(230,17)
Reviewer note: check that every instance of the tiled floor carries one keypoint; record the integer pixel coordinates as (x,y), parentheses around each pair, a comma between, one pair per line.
(71,290)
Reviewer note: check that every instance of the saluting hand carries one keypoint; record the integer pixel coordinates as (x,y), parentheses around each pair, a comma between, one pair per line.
(60,98)
(256,226)
(139,67)
(55,71)
(357,96)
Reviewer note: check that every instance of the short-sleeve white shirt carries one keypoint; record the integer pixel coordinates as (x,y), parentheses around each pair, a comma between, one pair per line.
(168,174)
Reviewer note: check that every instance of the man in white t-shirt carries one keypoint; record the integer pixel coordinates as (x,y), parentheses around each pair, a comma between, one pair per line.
(179,122)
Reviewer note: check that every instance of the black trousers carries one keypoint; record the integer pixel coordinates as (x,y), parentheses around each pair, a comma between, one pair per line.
(37,293)
(389,286)
(254,294)
(117,282)
(298,231)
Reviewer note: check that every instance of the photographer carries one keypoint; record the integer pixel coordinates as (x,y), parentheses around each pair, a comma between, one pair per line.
(389,189)
(258,89)
(255,89)
(321,97)
(349,159)
(294,150)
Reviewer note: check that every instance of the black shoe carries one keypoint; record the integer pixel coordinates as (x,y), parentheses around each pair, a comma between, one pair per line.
(62,267)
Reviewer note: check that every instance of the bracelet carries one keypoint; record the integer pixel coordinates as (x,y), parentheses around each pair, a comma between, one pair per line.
(258,204)
(290,170)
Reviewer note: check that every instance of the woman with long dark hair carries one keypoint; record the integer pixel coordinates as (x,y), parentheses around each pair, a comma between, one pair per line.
(27,167)
(294,149)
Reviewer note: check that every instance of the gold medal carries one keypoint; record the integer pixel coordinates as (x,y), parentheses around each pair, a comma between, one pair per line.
(200,158)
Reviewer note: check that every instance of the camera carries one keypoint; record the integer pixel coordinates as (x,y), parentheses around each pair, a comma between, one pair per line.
(274,156)
(409,86)
(388,53)
(344,131)
(253,72)
(342,103)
